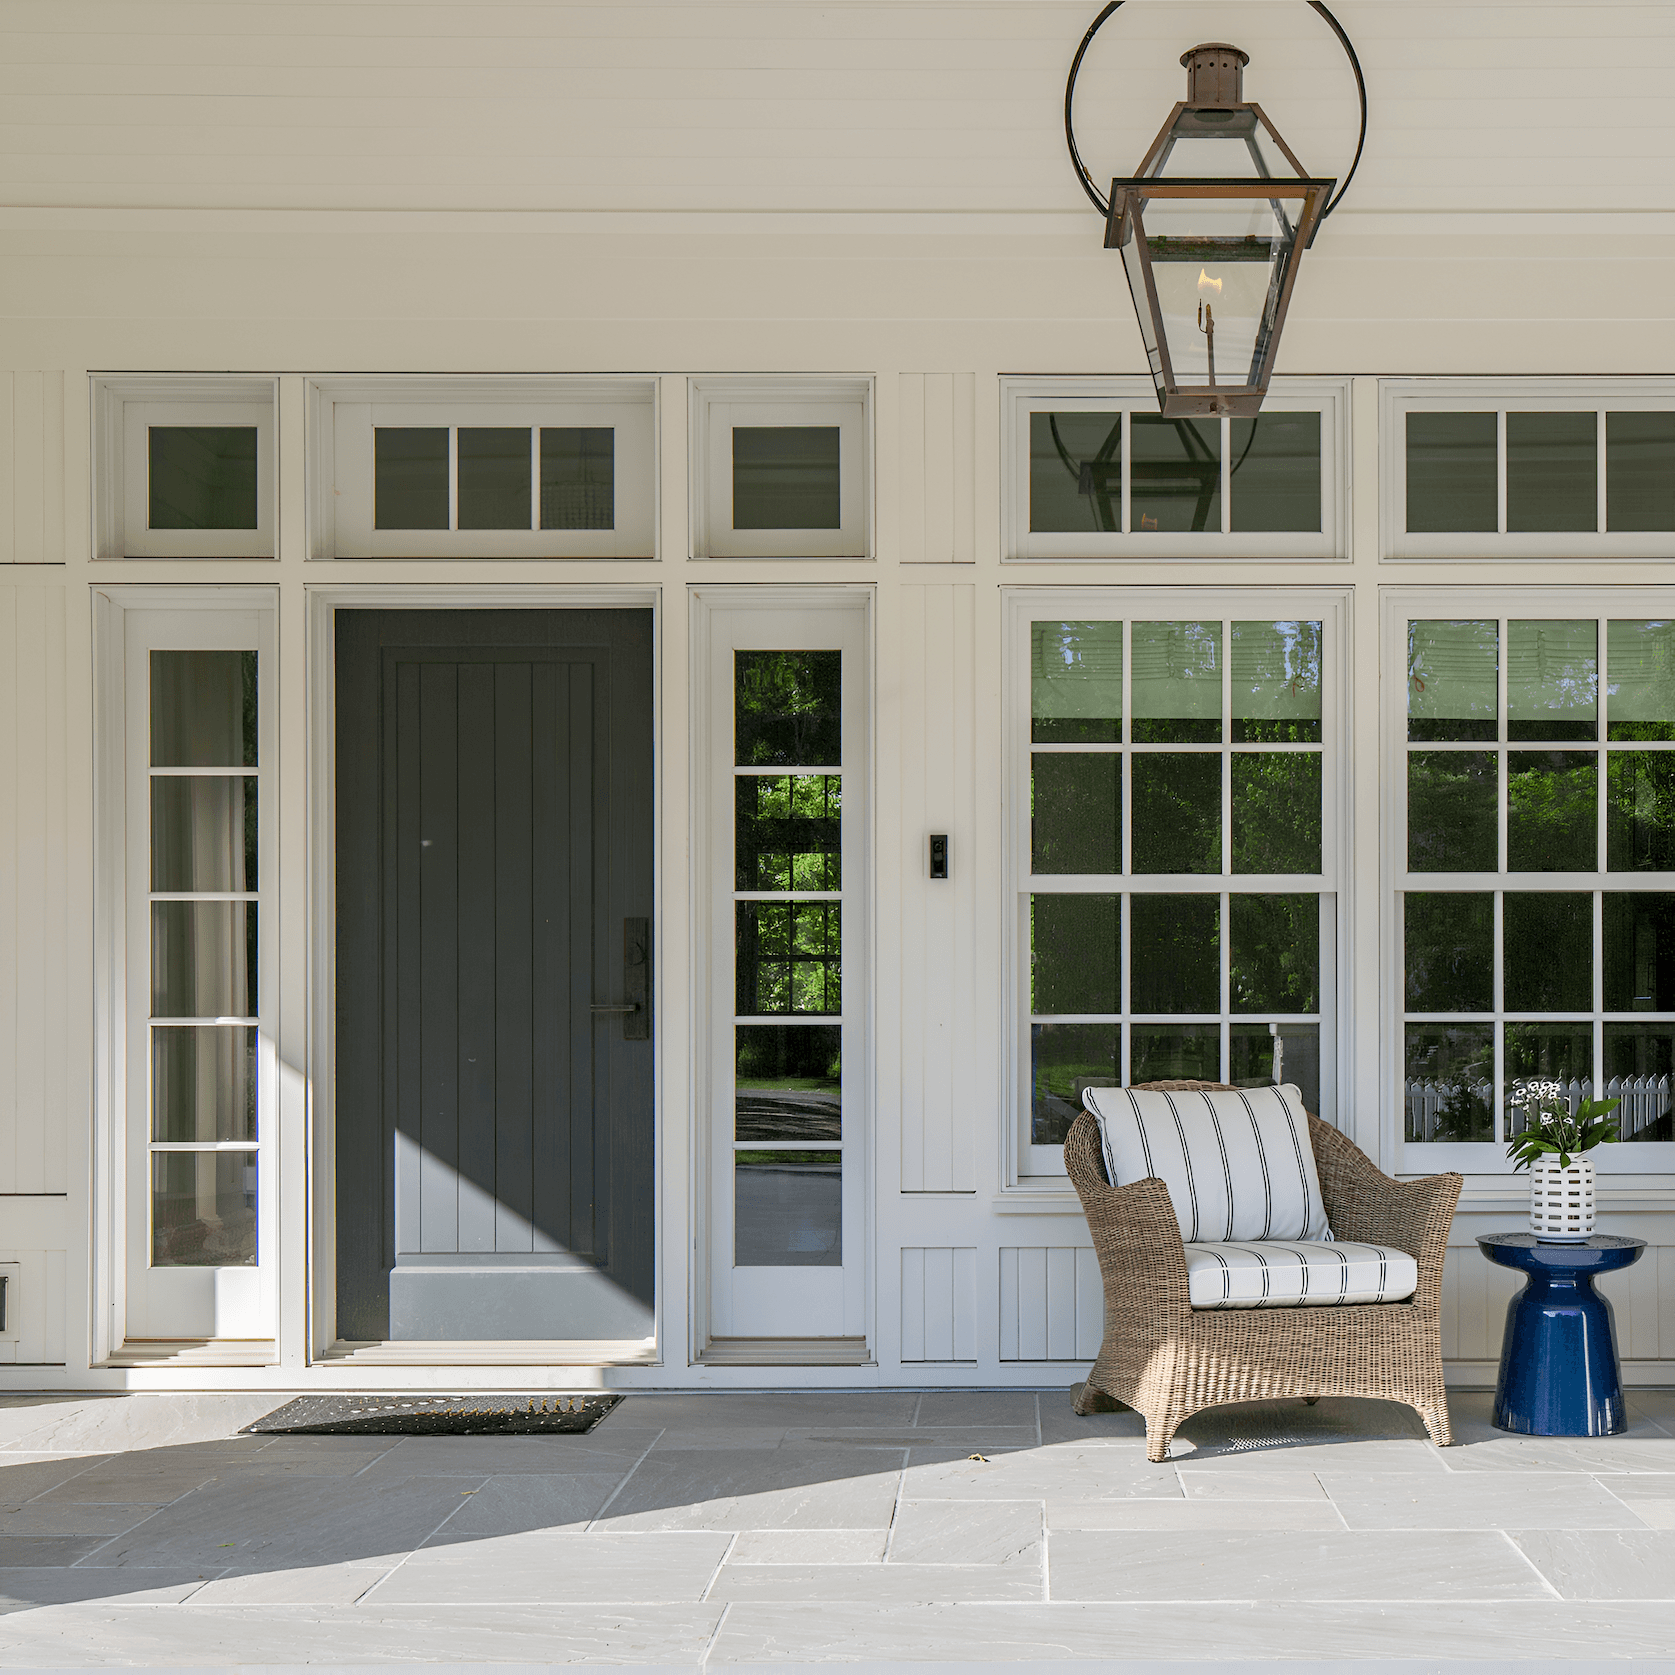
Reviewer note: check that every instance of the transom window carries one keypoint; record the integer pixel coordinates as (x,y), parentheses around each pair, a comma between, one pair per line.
(1096,472)
(1538,906)
(1176,867)
(1507,470)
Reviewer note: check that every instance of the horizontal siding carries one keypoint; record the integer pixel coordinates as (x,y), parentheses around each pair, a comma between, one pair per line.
(799,106)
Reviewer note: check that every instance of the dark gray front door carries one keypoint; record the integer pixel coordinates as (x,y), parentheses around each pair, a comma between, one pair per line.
(494,1052)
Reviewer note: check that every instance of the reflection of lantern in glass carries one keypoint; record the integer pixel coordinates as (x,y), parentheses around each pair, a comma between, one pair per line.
(1212,254)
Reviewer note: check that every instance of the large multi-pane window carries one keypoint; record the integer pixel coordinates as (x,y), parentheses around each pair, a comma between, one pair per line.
(1538,909)
(1176,901)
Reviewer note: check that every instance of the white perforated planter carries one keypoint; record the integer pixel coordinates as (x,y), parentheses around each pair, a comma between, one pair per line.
(1562,1199)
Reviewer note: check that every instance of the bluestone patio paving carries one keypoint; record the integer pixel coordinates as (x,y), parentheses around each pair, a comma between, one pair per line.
(721,1529)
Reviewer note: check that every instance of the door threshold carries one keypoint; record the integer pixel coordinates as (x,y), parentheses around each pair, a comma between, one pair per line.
(532,1352)
(195,1352)
(786,1352)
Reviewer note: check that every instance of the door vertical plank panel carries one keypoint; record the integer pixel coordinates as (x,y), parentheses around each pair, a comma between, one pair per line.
(936,945)
(918,1171)
(1061,1303)
(939,467)
(8,469)
(968,1072)
(913,1305)
(1009,1337)
(937,1302)
(404,962)
(475,919)
(1032,1303)
(965,1303)
(439,955)
(514,915)
(910,494)
(965,468)
(550,986)
(11,748)
(29,468)
(585,1152)
(33,844)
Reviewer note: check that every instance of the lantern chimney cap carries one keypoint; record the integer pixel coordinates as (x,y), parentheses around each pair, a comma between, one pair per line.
(1215,74)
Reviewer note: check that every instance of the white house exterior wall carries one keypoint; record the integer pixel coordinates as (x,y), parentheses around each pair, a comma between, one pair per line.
(682,190)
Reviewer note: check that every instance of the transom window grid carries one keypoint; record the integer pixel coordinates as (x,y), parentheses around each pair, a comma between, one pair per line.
(1457,1089)
(1528,469)
(1227,1029)
(1207,448)
(591,468)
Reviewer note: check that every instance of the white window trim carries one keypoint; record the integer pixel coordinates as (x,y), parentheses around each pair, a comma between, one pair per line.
(1397,397)
(115,1075)
(123,407)
(1022,395)
(1031,1169)
(712,943)
(1650,1163)
(342,414)
(717,404)
(324,601)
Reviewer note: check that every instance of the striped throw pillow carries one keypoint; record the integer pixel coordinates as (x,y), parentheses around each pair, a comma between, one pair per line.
(1279,1273)
(1238,1165)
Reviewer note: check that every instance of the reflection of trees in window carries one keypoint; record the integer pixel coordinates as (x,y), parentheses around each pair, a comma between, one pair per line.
(788,708)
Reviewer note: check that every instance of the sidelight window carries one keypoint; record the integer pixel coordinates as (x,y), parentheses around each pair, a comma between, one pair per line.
(1176,879)
(1537,912)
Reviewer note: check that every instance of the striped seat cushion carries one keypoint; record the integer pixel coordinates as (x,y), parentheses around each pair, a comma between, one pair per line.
(1280,1273)
(1238,1165)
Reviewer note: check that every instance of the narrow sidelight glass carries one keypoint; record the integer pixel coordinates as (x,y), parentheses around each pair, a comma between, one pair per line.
(202,477)
(203,709)
(1552,680)
(788,1083)
(1176,682)
(1552,471)
(203,832)
(788,709)
(1274,467)
(1065,1059)
(787,1209)
(789,957)
(203,1083)
(1075,473)
(786,477)
(1449,1082)
(1076,682)
(203,1209)
(788,832)
(1451,473)
(203,959)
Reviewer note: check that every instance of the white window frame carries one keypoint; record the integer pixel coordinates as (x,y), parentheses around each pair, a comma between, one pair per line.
(1034,1168)
(123,410)
(1020,396)
(1397,397)
(1399,605)
(718,404)
(344,413)
(242,1303)
(725,618)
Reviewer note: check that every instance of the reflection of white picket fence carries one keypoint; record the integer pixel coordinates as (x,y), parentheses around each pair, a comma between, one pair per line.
(1645,1100)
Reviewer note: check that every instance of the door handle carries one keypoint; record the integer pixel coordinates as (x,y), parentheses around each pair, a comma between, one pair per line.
(631,1006)
(635,1008)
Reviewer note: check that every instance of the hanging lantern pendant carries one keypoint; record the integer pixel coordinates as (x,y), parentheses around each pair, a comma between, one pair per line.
(1212,258)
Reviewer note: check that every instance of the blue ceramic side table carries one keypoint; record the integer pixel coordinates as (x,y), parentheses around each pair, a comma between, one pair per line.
(1559,1375)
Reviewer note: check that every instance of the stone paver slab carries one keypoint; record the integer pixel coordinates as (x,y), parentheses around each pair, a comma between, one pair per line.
(1277,1517)
(878,1584)
(1650,1498)
(1251,1485)
(967,1408)
(1616,1564)
(1475,1501)
(511,1504)
(162,1421)
(22,1589)
(1078,1473)
(966,1533)
(806,1547)
(311,1585)
(482,1457)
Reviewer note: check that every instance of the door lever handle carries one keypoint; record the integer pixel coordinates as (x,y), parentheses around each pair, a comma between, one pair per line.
(632,1006)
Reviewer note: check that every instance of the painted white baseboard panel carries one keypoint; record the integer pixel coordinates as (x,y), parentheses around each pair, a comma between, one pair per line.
(536,1352)
(786,1352)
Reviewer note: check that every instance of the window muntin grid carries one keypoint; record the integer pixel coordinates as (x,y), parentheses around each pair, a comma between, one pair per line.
(1537,917)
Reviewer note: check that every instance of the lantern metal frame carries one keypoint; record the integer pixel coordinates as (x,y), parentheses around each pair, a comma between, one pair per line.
(1124,210)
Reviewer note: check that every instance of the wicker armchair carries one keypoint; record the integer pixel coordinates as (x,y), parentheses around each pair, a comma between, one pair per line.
(1167,1360)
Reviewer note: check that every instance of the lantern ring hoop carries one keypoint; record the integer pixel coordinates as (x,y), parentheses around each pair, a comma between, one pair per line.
(1098,199)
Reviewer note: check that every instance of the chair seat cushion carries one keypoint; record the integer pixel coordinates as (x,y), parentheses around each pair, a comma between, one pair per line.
(1282,1273)
(1238,1165)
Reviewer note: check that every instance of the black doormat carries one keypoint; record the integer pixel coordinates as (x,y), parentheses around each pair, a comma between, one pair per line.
(435,1416)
